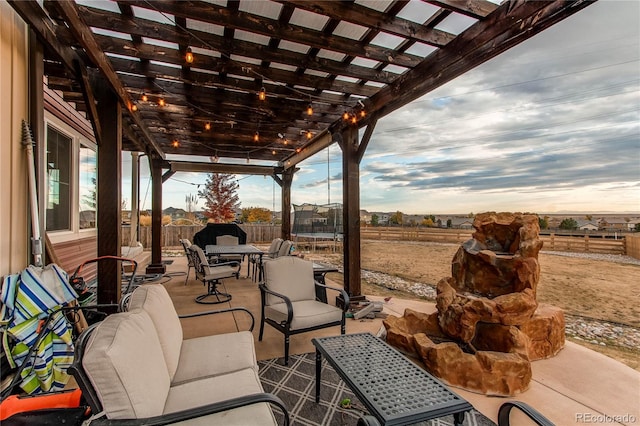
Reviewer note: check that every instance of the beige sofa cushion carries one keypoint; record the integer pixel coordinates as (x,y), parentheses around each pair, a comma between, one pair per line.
(290,276)
(307,313)
(219,388)
(124,361)
(213,355)
(154,299)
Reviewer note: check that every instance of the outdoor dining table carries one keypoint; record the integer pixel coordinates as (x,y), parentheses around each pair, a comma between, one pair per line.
(212,250)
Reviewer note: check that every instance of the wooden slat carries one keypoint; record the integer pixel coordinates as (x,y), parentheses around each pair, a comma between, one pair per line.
(83,33)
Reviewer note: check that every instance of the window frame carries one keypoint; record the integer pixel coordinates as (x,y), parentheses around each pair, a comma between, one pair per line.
(77,140)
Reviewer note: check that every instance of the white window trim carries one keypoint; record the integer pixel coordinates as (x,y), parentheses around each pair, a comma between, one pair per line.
(76,140)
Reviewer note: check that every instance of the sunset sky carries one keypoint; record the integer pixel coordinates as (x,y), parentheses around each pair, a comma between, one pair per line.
(552,125)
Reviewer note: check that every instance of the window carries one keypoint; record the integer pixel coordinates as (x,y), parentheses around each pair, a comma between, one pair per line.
(87,188)
(58,180)
(70,198)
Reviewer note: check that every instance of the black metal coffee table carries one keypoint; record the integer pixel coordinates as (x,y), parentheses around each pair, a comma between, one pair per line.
(392,388)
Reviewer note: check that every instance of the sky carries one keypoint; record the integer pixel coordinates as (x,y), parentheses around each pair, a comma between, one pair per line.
(549,126)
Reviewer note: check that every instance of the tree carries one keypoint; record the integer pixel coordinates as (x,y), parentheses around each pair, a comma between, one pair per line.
(543,222)
(449,223)
(569,224)
(374,219)
(427,222)
(396,218)
(256,214)
(220,197)
(637,227)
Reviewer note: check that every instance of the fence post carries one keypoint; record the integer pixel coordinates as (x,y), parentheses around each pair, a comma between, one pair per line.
(553,241)
(586,243)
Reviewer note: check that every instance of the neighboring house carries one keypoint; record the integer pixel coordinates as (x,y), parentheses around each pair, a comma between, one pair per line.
(616,224)
(174,213)
(461,223)
(365,217)
(585,225)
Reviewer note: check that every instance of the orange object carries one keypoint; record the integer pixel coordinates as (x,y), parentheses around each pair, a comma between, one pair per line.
(16,404)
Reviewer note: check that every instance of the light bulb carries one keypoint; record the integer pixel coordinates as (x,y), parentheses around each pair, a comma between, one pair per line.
(207,126)
(175,143)
(309,134)
(262,95)
(144,97)
(345,116)
(256,137)
(309,110)
(161,102)
(188,56)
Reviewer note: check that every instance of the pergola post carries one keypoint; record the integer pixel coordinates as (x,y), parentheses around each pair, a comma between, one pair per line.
(287,179)
(351,212)
(156,265)
(109,205)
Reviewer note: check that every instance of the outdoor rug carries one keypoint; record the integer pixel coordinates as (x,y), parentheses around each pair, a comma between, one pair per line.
(295,385)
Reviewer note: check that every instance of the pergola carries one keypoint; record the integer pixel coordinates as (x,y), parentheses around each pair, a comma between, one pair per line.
(256,87)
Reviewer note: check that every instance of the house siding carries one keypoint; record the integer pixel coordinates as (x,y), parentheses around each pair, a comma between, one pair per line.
(14,197)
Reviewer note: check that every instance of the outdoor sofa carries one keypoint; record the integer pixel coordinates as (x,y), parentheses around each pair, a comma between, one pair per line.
(135,365)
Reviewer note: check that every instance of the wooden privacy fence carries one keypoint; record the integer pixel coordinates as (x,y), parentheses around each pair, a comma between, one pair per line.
(264,233)
(171,234)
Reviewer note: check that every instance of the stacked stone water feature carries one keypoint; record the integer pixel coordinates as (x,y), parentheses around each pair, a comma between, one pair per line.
(489,326)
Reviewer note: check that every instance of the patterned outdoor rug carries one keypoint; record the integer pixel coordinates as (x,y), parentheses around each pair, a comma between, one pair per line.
(295,385)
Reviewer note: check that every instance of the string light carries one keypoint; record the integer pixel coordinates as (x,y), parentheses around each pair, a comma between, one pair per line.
(309,134)
(262,95)
(362,113)
(345,116)
(273,152)
(134,107)
(256,137)
(175,143)
(207,126)
(309,110)
(354,119)
(188,56)
(144,97)
(161,102)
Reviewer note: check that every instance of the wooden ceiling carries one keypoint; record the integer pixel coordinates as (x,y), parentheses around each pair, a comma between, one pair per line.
(364,59)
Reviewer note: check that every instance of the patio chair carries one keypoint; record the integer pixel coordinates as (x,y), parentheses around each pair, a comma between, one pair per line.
(185,245)
(229,240)
(283,250)
(211,274)
(288,300)
(272,253)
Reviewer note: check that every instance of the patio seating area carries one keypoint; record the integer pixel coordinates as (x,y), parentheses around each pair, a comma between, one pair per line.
(578,386)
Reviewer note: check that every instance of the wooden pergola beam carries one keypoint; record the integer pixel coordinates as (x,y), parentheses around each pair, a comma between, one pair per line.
(513,22)
(366,16)
(82,33)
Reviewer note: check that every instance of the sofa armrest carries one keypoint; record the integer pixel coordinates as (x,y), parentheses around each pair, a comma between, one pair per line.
(221,311)
(344,294)
(532,413)
(195,412)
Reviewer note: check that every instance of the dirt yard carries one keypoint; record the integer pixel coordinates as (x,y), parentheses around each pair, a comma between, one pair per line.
(597,289)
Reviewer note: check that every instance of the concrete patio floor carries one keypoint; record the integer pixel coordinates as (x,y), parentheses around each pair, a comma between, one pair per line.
(576,387)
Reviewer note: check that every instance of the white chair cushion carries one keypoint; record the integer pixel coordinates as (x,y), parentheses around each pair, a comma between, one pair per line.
(206,356)
(306,313)
(289,276)
(219,388)
(125,364)
(154,299)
